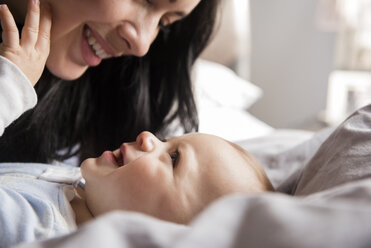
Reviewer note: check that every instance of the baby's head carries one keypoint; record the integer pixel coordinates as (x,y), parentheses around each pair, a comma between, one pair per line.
(172,179)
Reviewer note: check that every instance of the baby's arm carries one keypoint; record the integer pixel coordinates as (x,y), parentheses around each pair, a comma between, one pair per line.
(22,61)
(31,51)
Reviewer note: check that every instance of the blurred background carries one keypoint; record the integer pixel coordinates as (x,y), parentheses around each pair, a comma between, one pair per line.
(310,60)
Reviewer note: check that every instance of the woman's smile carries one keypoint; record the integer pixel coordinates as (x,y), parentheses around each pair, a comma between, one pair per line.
(95,48)
(100,46)
(89,53)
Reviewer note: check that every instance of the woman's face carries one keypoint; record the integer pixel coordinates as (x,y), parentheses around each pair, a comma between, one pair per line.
(86,31)
(172,179)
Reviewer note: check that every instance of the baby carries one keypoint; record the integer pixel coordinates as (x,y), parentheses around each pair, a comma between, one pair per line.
(171,179)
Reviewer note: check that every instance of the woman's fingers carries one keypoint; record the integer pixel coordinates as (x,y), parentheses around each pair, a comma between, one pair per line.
(10,33)
(43,41)
(30,31)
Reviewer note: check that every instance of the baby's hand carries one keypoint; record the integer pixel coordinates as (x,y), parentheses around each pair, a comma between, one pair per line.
(31,51)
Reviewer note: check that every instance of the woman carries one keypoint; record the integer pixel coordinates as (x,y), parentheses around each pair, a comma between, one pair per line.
(133,76)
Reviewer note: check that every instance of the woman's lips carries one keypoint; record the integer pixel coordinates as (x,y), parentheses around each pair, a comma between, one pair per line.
(88,54)
(106,47)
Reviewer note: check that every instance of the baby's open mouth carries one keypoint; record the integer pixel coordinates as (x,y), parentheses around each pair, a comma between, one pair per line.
(119,157)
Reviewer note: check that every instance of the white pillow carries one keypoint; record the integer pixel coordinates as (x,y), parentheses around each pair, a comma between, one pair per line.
(231,124)
(222,100)
(216,84)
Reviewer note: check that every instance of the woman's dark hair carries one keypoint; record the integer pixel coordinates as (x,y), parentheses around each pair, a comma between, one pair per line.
(114,102)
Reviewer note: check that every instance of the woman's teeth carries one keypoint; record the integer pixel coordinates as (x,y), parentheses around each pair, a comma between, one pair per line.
(97,48)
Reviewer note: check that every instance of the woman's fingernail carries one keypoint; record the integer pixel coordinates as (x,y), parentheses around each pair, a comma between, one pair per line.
(36,2)
(3,6)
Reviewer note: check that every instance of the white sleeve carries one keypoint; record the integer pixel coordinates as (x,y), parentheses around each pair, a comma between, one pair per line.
(16,93)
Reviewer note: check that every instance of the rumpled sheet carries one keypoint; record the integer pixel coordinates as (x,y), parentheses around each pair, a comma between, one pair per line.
(323,200)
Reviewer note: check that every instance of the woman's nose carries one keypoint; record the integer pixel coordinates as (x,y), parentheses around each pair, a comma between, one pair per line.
(138,35)
(146,141)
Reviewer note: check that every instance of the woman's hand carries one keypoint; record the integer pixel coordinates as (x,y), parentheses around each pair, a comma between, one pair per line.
(31,51)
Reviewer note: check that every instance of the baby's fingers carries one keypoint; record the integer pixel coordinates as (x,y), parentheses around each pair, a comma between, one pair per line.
(10,33)
(30,31)
(43,41)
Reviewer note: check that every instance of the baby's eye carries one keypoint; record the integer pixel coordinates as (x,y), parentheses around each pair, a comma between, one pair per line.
(149,2)
(174,158)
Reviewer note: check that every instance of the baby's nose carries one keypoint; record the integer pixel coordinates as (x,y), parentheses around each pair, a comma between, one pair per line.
(146,141)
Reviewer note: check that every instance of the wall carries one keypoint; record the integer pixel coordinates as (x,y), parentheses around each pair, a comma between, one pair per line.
(230,43)
(291,60)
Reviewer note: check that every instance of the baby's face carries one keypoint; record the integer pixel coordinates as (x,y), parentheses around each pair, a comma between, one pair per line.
(172,179)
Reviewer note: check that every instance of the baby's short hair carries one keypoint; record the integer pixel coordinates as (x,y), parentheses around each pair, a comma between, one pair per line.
(262,178)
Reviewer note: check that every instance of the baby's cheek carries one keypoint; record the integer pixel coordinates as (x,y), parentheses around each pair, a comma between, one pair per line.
(153,172)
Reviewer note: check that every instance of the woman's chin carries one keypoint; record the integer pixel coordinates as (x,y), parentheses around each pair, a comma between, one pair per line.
(67,74)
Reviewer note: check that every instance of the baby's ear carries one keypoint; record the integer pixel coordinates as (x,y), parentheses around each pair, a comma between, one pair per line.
(261,176)
(266,184)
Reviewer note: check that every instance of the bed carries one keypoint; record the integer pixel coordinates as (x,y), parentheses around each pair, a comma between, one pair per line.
(323,198)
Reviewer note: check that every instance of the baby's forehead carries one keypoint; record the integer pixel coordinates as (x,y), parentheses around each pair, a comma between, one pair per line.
(204,136)
(207,145)
(214,144)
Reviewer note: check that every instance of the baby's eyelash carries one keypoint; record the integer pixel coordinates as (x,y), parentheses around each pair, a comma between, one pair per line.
(174,158)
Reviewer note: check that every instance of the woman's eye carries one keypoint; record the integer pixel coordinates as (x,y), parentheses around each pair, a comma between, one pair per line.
(164,28)
(174,158)
(161,25)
